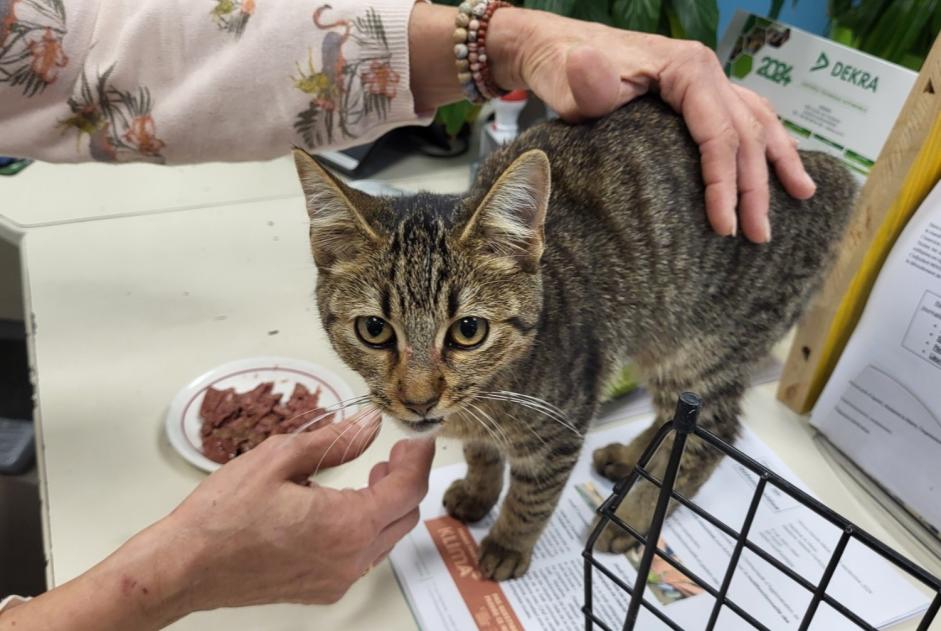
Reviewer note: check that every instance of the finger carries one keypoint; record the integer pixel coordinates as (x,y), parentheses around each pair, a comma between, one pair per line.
(593,80)
(752,163)
(382,557)
(394,532)
(405,484)
(687,84)
(782,148)
(304,453)
(712,128)
(378,472)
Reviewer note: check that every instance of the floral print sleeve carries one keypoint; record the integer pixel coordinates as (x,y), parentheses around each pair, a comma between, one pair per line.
(345,91)
(31,54)
(177,81)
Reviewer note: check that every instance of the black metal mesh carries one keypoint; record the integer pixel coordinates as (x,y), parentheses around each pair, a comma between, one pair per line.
(682,426)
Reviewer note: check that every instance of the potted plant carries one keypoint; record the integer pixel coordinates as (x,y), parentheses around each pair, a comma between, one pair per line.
(900,32)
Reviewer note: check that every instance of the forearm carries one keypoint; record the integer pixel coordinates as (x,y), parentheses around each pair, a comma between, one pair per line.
(141,586)
(173,82)
(431,53)
(431,56)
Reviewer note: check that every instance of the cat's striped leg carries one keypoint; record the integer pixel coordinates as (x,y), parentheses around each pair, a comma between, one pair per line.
(536,483)
(720,411)
(615,461)
(471,498)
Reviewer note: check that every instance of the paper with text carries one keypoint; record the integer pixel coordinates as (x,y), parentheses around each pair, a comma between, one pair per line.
(435,563)
(882,404)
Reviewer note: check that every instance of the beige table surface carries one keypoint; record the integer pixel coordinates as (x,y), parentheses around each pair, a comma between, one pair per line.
(130,308)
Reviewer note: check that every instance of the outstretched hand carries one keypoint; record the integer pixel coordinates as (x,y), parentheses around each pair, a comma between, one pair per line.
(585,70)
(263,537)
(254,532)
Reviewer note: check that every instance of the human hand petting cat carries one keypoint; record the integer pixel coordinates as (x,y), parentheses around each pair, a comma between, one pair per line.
(249,534)
(585,70)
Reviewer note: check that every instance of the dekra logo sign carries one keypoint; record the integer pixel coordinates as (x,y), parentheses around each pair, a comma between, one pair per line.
(847,73)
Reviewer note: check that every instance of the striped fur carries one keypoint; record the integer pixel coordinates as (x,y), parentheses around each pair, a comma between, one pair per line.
(625,265)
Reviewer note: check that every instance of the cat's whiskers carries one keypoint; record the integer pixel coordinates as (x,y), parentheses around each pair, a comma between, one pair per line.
(492,421)
(474,418)
(542,404)
(354,422)
(477,419)
(518,422)
(327,411)
(369,439)
(535,472)
(372,429)
(532,403)
(535,408)
(528,397)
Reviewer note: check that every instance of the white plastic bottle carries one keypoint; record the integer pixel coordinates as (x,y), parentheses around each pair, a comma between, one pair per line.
(503,128)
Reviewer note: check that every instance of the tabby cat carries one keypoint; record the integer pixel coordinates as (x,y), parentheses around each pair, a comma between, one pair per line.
(497,317)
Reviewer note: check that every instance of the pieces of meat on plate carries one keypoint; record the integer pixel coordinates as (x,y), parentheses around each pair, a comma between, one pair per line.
(233,423)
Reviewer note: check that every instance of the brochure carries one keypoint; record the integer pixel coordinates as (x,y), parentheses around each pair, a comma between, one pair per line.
(830,97)
(882,405)
(436,562)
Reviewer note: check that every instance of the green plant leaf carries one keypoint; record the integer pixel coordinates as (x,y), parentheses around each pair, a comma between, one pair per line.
(774,12)
(454,115)
(898,29)
(593,11)
(562,7)
(637,15)
(837,8)
(841,34)
(674,28)
(699,19)
(861,17)
(912,61)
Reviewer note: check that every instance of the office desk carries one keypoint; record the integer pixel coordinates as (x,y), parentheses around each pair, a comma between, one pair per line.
(132,303)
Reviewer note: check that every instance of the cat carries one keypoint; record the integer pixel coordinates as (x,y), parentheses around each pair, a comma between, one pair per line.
(498,317)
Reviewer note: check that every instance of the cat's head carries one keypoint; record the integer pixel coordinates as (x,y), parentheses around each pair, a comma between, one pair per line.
(429,297)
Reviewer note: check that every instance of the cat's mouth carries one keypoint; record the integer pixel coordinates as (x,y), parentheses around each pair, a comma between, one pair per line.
(409,420)
(425,424)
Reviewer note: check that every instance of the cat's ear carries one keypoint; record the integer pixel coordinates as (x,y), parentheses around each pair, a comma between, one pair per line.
(511,217)
(338,230)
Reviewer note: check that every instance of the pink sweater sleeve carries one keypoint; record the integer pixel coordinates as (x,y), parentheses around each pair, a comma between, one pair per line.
(176,81)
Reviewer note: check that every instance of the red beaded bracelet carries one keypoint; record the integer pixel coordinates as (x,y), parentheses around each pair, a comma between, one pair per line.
(470,37)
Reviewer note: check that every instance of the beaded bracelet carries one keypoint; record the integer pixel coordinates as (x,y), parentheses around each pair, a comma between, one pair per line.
(470,35)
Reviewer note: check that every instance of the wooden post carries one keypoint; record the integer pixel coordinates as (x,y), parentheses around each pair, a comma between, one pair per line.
(905,172)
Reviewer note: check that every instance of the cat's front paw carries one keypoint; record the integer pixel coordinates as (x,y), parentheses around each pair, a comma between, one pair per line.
(614,461)
(614,539)
(500,563)
(465,505)
(636,510)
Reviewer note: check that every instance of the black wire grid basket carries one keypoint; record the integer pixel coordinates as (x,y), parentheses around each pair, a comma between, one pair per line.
(683,425)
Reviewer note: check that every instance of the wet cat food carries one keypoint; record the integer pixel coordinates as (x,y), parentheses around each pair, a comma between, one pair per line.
(233,423)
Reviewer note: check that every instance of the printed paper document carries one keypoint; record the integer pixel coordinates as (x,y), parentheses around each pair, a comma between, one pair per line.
(436,568)
(882,405)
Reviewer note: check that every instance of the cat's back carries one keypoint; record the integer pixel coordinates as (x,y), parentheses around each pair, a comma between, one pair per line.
(628,198)
(640,166)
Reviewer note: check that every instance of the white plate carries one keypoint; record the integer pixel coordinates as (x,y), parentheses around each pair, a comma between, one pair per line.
(183,422)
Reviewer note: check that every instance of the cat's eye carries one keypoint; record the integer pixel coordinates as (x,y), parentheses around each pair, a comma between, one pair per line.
(468,333)
(374,331)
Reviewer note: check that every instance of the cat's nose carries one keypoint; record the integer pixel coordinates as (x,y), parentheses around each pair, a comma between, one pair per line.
(421,408)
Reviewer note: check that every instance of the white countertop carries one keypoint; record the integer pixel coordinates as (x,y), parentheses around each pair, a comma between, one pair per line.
(131,307)
(48,194)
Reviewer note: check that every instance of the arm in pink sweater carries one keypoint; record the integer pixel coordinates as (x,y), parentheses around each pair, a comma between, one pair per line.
(176,81)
